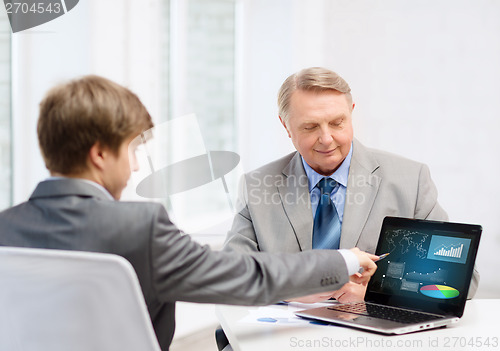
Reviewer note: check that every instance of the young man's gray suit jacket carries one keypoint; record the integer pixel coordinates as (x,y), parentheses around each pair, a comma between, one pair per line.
(276,213)
(74,215)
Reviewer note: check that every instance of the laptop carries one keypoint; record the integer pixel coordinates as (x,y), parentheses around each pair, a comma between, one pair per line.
(422,283)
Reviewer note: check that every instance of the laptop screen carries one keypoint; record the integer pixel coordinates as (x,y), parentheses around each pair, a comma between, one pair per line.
(429,266)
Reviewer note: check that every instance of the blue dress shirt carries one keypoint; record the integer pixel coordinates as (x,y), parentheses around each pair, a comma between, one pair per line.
(339,194)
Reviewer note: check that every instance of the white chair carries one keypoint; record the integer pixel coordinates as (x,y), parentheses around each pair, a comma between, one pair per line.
(54,300)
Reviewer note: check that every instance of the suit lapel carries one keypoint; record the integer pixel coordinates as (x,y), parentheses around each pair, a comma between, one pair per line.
(362,188)
(296,201)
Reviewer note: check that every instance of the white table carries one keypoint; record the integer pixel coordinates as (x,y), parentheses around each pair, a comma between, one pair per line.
(478,329)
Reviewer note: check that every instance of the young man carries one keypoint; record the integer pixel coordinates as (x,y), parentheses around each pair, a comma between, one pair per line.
(84,130)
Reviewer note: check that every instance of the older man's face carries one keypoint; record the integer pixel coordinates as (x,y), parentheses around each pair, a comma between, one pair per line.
(320,127)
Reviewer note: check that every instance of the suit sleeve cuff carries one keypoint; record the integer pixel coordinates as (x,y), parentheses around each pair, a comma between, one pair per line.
(351,261)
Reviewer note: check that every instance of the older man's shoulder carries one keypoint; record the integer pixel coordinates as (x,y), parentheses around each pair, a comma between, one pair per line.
(386,159)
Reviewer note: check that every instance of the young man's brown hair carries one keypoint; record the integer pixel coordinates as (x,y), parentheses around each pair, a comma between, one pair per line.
(77,114)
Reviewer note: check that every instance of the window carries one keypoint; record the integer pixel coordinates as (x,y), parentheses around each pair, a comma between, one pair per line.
(202,67)
(197,109)
(5,115)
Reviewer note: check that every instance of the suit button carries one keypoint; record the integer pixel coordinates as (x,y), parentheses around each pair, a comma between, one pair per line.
(326,281)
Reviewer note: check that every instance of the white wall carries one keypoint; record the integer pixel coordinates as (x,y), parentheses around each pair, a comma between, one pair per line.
(425,77)
(266,58)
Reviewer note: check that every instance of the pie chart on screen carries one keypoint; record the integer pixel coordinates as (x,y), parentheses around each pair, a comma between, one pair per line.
(439,291)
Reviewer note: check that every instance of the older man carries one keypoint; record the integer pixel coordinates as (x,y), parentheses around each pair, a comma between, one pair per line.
(333,191)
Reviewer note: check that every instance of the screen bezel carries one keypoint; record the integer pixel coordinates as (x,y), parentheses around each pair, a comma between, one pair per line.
(452,307)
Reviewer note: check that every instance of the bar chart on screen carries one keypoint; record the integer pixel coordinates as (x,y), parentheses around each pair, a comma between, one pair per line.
(448,249)
(451,252)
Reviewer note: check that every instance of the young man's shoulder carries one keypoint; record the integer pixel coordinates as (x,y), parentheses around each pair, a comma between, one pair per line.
(133,209)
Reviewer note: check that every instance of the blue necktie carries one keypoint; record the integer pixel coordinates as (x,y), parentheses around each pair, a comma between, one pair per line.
(326,230)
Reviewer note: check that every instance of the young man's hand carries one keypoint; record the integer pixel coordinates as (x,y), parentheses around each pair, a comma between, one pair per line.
(367,264)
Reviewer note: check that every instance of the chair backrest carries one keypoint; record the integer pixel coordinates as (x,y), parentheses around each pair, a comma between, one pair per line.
(54,300)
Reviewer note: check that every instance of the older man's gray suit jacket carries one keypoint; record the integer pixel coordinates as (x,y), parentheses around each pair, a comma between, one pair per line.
(71,214)
(276,213)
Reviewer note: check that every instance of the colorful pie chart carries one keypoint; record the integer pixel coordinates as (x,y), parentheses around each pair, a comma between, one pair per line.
(439,291)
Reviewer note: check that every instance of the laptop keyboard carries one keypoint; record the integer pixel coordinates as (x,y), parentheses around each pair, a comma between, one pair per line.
(385,312)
